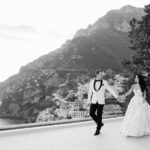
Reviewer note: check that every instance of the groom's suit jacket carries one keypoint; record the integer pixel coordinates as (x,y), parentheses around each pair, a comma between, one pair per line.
(98,96)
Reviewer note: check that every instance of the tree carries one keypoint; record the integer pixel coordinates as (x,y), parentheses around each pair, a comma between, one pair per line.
(140,43)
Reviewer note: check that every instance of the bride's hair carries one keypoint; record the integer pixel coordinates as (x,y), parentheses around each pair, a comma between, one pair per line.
(142,83)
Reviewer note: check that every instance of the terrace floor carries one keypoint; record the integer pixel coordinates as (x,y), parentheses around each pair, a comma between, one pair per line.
(74,136)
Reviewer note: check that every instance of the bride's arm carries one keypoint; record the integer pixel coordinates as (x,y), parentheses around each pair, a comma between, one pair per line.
(129,92)
(144,99)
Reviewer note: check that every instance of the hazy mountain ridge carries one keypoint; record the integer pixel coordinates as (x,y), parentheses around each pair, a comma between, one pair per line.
(27,32)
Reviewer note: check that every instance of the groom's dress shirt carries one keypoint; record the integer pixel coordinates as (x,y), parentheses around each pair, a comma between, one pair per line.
(96,92)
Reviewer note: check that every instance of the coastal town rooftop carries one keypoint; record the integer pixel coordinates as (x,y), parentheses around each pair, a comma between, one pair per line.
(76,135)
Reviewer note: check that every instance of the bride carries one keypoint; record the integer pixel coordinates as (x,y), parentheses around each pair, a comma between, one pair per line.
(136,122)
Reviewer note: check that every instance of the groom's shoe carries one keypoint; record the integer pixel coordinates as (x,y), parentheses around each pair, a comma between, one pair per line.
(97,132)
(102,124)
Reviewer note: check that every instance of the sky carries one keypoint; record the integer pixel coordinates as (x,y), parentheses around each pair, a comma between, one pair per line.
(32,28)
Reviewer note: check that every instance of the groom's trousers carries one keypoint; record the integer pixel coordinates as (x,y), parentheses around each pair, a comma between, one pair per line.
(97,117)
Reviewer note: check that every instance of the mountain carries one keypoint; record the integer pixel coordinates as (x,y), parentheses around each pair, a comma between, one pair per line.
(111,31)
(98,45)
(102,44)
(115,19)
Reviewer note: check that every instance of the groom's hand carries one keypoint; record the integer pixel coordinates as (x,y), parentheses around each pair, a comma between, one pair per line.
(88,107)
(121,99)
(88,104)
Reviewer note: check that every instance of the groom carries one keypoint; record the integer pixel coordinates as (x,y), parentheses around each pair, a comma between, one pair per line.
(96,98)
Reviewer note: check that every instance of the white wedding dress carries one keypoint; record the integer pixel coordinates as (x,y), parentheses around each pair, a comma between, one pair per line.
(137,118)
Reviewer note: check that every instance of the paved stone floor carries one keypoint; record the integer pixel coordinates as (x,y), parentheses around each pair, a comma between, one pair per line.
(77,136)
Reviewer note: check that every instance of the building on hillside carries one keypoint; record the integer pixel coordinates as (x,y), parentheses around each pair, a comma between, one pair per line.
(79,108)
